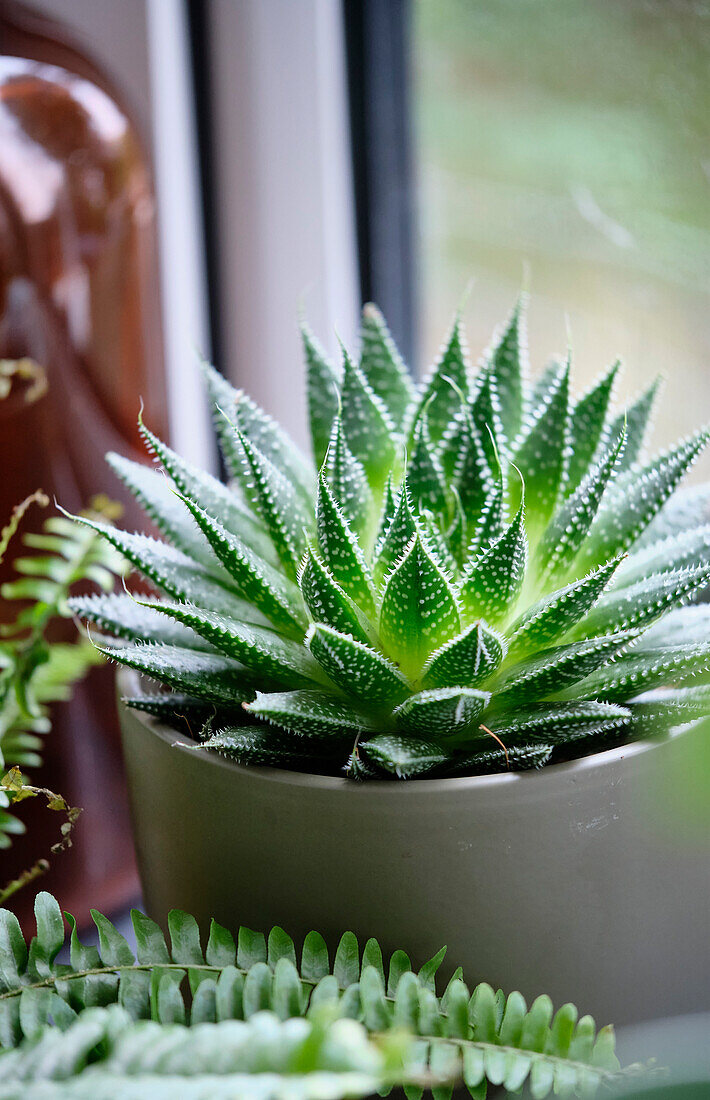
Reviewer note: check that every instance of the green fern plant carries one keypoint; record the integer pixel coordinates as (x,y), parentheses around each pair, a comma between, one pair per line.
(478,573)
(34,671)
(255,1018)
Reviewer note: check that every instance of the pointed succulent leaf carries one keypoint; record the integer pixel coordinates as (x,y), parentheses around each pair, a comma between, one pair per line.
(552,616)
(492,583)
(154,493)
(356,668)
(323,380)
(341,551)
(387,512)
(636,497)
(262,747)
(311,713)
(472,473)
(542,387)
(276,500)
(445,713)
(486,418)
(404,757)
(368,428)
(382,366)
(419,610)
(565,534)
(555,669)
(349,483)
(457,534)
(124,617)
(273,594)
(172,571)
(436,542)
(454,440)
(685,624)
(425,479)
(686,510)
(271,440)
(691,548)
(468,659)
(588,419)
(640,671)
(326,600)
(509,370)
(496,758)
(209,493)
(641,603)
(541,454)
(223,400)
(173,707)
(490,524)
(397,537)
(637,418)
(438,397)
(202,675)
(553,722)
(258,648)
(660,709)
(358,769)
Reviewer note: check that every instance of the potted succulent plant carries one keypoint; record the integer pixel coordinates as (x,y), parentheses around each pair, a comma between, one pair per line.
(477,586)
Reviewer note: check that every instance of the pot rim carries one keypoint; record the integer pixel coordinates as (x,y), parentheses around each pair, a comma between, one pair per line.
(571,770)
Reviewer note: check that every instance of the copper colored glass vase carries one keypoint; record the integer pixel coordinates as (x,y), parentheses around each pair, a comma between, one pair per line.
(78,294)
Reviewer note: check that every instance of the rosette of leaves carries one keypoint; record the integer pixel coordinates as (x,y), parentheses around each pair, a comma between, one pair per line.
(250,1016)
(475,573)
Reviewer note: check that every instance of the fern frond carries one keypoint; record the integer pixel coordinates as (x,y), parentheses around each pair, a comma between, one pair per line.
(182,1015)
(35,672)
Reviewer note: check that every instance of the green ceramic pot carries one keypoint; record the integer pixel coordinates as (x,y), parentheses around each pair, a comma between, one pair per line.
(573,880)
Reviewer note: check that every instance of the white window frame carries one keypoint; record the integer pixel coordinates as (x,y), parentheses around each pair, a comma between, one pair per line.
(284,193)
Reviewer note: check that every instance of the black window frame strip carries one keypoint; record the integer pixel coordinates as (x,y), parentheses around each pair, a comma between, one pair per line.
(379,63)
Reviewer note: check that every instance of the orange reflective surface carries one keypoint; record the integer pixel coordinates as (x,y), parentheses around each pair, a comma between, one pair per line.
(79,294)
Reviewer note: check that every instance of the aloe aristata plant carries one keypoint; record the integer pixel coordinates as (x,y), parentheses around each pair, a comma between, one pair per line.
(474,574)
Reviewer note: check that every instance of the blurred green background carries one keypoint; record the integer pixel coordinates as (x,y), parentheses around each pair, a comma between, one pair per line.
(574,135)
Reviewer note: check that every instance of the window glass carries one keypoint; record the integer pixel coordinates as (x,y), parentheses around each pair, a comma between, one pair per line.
(572,134)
